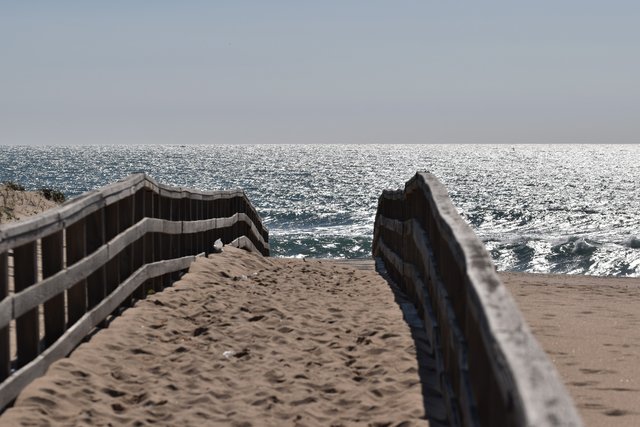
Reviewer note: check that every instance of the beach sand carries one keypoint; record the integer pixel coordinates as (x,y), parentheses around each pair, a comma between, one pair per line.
(16,205)
(590,328)
(245,340)
(242,340)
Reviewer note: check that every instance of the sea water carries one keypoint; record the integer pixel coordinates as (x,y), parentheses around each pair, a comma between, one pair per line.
(538,208)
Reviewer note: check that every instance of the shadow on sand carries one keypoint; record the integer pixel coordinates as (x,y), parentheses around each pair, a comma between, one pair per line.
(434,405)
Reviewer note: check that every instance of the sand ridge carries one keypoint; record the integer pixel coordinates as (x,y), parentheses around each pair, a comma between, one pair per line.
(242,340)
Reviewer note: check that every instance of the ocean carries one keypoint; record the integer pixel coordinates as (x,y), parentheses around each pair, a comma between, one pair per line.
(538,208)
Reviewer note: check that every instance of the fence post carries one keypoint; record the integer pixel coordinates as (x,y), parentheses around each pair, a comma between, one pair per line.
(126,213)
(138,246)
(157,241)
(193,214)
(210,235)
(111,230)
(201,235)
(27,330)
(148,239)
(236,226)
(186,239)
(76,250)
(52,262)
(5,351)
(167,239)
(96,282)
(176,239)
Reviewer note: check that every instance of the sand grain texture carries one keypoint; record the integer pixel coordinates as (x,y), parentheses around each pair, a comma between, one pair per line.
(16,205)
(590,328)
(242,340)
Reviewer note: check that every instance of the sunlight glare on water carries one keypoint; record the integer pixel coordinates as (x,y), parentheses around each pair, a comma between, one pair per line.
(538,208)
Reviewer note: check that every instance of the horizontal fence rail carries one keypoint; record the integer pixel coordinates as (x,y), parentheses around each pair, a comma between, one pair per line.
(65,271)
(492,371)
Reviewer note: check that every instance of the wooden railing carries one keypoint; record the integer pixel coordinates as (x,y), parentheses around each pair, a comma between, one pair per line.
(492,370)
(63,272)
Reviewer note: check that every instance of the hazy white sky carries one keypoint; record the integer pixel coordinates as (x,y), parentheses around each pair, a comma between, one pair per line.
(423,71)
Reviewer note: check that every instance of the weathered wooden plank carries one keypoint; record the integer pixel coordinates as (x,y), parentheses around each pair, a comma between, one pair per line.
(165,226)
(52,263)
(225,222)
(244,242)
(11,387)
(5,316)
(95,237)
(193,216)
(500,321)
(157,241)
(56,219)
(199,226)
(163,267)
(121,190)
(135,180)
(256,236)
(166,238)
(112,228)
(234,208)
(130,235)
(151,185)
(196,226)
(429,319)
(453,346)
(391,255)
(185,210)
(176,218)
(201,215)
(394,225)
(126,213)
(76,251)
(138,245)
(170,192)
(27,325)
(78,208)
(29,229)
(513,378)
(95,218)
(148,239)
(6,310)
(116,245)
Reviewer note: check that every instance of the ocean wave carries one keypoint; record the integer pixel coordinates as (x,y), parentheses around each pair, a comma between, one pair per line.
(577,211)
(570,255)
(633,243)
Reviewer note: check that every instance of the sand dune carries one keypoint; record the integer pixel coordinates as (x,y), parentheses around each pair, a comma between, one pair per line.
(590,328)
(242,340)
(16,205)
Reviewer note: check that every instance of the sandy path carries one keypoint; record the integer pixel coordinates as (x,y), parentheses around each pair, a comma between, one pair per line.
(242,340)
(590,328)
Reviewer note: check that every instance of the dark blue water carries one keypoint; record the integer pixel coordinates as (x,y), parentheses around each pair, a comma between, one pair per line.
(538,208)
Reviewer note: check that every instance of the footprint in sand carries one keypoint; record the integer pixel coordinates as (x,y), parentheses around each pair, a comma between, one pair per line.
(113,392)
(304,401)
(199,331)
(275,376)
(616,413)
(597,371)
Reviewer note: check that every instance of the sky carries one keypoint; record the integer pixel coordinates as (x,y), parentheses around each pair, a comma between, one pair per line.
(216,72)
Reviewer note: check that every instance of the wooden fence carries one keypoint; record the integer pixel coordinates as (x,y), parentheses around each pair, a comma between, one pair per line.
(492,371)
(73,266)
